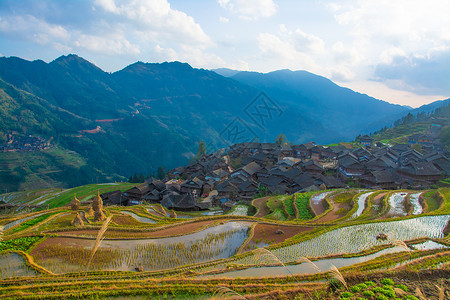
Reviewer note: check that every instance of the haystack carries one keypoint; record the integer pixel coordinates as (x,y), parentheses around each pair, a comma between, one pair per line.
(99,216)
(83,216)
(75,203)
(97,203)
(77,222)
(89,212)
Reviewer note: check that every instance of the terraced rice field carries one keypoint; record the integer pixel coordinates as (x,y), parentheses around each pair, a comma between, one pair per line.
(149,251)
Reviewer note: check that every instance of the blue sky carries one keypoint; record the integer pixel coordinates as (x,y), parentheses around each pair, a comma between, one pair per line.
(398,51)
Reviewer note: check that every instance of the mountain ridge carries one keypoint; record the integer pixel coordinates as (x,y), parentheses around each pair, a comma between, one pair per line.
(152,114)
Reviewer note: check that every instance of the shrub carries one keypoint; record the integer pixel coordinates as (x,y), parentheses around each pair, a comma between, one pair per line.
(402,287)
(355,289)
(346,295)
(387,281)
(411,297)
(389,293)
(377,289)
(368,293)
(382,297)
(362,286)
(370,283)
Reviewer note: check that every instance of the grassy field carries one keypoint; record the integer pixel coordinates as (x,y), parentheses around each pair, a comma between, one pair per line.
(47,168)
(60,197)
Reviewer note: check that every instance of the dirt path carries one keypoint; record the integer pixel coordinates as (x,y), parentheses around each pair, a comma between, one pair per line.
(261,205)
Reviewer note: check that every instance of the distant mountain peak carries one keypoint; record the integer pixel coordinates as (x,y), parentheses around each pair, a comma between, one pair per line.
(225,72)
(72,60)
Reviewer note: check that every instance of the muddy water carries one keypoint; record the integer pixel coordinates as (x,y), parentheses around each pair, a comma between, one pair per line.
(361,204)
(17,222)
(355,238)
(322,264)
(13,265)
(138,218)
(414,200)
(397,204)
(216,242)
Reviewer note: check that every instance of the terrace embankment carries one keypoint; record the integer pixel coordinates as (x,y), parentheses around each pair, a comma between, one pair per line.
(318,203)
(340,209)
(180,229)
(377,204)
(261,205)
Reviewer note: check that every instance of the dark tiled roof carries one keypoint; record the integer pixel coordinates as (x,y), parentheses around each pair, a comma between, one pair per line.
(421,169)
(176,201)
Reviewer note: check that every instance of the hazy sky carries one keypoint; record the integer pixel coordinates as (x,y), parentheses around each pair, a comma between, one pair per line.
(395,50)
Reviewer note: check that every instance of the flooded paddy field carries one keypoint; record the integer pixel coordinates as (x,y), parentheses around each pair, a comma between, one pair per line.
(148,251)
(61,255)
(13,265)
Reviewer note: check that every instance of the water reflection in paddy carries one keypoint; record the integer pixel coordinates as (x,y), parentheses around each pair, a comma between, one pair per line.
(361,204)
(323,264)
(138,218)
(356,238)
(13,265)
(414,200)
(19,221)
(220,241)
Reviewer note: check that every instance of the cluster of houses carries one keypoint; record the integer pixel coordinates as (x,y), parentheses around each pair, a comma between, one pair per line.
(19,142)
(244,170)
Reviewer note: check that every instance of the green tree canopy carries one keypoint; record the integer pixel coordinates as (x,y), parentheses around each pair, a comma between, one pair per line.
(201,149)
(161,173)
(281,139)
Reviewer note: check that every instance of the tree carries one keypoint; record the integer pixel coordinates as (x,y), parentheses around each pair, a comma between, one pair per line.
(201,149)
(161,173)
(281,139)
(417,147)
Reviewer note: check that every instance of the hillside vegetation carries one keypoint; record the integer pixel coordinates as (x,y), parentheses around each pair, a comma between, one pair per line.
(147,115)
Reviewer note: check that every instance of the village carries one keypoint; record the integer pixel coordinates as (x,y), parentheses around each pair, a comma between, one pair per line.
(245,171)
(20,142)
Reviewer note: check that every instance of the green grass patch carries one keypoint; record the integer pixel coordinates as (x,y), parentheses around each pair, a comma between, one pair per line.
(288,204)
(432,199)
(346,196)
(20,244)
(278,214)
(303,205)
(29,223)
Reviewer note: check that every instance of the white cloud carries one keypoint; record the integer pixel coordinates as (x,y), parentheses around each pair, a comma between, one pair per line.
(412,25)
(250,9)
(158,19)
(129,29)
(224,20)
(283,53)
(31,28)
(426,75)
(106,45)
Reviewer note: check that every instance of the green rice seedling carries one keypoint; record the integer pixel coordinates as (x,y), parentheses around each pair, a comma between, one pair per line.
(100,234)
